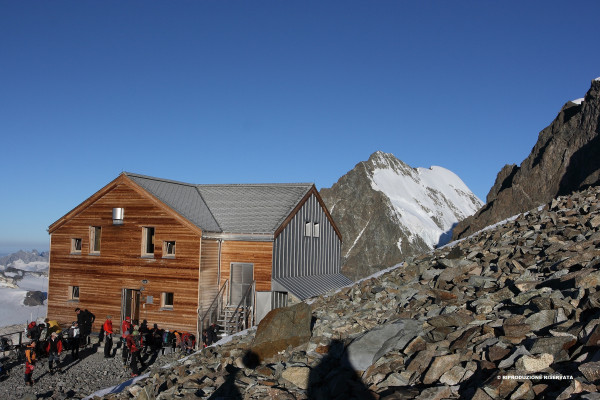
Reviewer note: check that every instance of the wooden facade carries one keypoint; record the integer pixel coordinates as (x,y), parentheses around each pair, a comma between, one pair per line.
(124,276)
(101,277)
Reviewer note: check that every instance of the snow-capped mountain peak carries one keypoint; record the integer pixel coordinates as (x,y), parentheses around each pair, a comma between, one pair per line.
(426,201)
(388,210)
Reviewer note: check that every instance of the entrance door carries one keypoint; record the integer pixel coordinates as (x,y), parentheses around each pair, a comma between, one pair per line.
(242,275)
(130,304)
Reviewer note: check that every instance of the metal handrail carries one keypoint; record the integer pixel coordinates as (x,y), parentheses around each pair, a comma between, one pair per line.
(10,335)
(251,289)
(219,300)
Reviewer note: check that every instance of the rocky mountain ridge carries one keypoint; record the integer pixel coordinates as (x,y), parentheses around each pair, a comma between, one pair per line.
(25,256)
(564,159)
(509,312)
(387,211)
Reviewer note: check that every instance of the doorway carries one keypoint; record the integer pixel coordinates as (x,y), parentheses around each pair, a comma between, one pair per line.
(242,275)
(130,304)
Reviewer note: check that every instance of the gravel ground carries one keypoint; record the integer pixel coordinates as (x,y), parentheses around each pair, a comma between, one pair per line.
(79,378)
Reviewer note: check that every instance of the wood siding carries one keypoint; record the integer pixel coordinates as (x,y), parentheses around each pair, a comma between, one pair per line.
(209,273)
(298,255)
(258,253)
(119,264)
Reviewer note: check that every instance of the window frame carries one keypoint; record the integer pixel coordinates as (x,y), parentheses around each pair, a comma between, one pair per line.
(145,236)
(74,249)
(316,230)
(163,301)
(71,294)
(166,246)
(95,239)
(308,229)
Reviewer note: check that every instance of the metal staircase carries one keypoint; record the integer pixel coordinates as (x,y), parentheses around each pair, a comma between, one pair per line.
(230,318)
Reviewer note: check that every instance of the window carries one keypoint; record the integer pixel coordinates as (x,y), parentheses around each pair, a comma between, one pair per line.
(316,230)
(148,241)
(308,229)
(74,293)
(169,249)
(95,232)
(76,246)
(166,300)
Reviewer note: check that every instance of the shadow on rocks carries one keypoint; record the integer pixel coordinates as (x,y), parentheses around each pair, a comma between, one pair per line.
(228,390)
(334,377)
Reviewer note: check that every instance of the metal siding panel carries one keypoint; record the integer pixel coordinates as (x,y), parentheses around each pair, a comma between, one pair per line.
(300,256)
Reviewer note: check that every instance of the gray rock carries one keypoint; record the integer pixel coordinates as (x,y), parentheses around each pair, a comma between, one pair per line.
(35,298)
(367,349)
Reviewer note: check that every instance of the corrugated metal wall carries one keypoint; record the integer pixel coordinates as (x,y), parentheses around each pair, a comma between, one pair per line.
(296,254)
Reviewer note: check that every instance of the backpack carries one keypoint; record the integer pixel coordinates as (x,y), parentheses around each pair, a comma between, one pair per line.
(30,354)
(137,341)
(31,330)
(126,326)
(185,336)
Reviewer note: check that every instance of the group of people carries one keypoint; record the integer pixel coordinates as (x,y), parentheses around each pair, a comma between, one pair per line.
(48,339)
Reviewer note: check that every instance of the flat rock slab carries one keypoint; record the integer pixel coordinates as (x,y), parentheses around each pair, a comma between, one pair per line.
(368,348)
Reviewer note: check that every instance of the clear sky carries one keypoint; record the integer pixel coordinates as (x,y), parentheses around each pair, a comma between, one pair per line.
(272,91)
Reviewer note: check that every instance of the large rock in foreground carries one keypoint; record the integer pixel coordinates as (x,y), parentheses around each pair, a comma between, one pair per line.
(281,328)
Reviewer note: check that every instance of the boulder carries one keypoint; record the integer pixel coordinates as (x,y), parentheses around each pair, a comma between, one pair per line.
(297,376)
(590,370)
(368,348)
(439,366)
(280,328)
(535,363)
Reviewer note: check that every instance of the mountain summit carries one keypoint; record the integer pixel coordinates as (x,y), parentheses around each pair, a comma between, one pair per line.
(388,211)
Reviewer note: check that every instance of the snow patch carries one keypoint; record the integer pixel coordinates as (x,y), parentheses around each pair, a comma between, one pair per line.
(27,277)
(35,266)
(414,193)
(356,240)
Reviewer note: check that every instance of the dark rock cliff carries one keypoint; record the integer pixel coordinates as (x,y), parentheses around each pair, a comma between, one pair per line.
(565,158)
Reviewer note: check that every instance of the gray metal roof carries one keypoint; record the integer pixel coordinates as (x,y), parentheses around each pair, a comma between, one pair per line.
(257,208)
(304,287)
(241,208)
(184,198)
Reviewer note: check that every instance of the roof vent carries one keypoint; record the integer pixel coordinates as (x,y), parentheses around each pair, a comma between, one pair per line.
(118,214)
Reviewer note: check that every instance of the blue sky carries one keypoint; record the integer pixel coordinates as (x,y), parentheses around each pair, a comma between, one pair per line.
(272,91)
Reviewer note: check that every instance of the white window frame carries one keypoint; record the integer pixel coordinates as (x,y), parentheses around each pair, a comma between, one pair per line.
(316,230)
(308,229)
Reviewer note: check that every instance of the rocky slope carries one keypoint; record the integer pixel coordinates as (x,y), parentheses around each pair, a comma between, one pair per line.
(564,159)
(387,211)
(510,312)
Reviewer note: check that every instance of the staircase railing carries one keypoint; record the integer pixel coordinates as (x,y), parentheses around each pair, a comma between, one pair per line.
(243,316)
(215,309)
